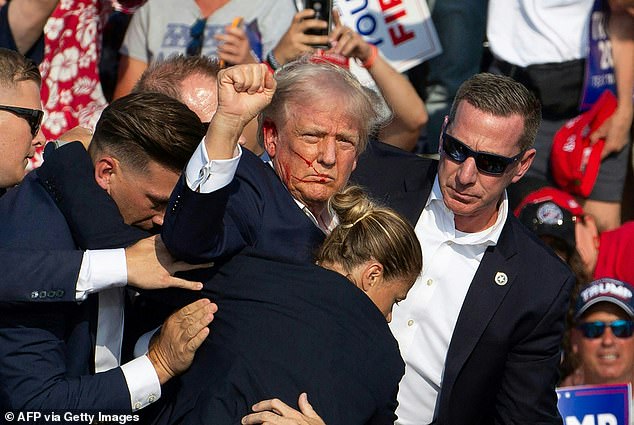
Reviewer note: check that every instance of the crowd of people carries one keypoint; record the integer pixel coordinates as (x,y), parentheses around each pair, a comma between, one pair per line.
(243,233)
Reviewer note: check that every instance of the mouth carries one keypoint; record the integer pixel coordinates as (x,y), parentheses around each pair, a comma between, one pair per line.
(319,178)
(609,357)
(464,197)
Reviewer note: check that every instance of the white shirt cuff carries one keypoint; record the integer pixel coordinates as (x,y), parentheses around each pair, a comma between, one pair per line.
(101,269)
(205,176)
(142,345)
(143,383)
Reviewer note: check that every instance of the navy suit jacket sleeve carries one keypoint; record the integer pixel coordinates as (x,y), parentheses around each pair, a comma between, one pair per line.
(26,275)
(200,227)
(194,225)
(94,220)
(34,363)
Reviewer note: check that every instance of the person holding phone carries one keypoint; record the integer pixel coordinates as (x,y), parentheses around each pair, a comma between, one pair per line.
(161,28)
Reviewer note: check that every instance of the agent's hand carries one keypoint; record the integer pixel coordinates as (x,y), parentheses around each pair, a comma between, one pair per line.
(172,351)
(277,412)
(295,42)
(150,266)
(234,47)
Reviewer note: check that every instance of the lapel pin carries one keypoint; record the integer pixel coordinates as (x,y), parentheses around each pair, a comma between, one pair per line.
(501,278)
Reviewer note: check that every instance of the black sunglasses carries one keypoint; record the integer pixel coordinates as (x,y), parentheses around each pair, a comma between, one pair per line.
(196,33)
(620,328)
(488,163)
(32,116)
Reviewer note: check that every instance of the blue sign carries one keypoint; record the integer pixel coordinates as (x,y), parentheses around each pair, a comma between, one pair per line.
(599,74)
(595,404)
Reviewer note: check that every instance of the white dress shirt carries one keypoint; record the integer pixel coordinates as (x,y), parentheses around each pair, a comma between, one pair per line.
(424,322)
(105,271)
(101,269)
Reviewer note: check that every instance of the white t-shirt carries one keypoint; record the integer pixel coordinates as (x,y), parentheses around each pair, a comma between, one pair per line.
(527,32)
(161,28)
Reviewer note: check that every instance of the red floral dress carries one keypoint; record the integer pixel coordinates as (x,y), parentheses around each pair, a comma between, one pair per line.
(71,89)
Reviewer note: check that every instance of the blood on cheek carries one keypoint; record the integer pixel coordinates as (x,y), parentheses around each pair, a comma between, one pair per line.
(309,164)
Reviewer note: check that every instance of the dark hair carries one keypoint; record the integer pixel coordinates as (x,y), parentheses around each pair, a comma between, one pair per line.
(301,81)
(569,360)
(168,75)
(501,96)
(15,68)
(369,231)
(141,127)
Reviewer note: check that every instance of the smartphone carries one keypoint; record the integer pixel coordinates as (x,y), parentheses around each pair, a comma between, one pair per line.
(323,11)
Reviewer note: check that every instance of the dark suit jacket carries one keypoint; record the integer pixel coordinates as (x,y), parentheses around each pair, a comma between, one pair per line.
(501,366)
(35,274)
(254,210)
(283,328)
(46,348)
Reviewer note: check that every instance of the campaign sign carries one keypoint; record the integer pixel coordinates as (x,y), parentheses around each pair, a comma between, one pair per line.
(595,404)
(599,72)
(401,29)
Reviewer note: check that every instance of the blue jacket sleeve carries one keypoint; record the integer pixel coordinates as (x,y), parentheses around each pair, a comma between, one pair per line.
(40,371)
(201,227)
(32,282)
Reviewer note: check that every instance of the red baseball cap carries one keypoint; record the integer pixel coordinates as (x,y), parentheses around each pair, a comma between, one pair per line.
(574,160)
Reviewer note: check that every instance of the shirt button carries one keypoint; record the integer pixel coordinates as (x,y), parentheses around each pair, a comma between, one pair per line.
(430,282)
(410,322)
(151,398)
(137,405)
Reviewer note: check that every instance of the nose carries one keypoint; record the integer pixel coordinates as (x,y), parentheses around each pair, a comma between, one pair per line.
(608,337)
(467,172)
(328,151)
(157,219)
(39,139)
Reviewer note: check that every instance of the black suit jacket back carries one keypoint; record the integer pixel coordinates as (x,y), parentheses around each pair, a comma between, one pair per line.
(283,328)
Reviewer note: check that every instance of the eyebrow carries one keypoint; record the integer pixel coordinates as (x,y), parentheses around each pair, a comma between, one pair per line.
(320,131)
(158,199)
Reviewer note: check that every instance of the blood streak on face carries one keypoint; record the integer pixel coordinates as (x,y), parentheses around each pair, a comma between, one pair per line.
(314,151)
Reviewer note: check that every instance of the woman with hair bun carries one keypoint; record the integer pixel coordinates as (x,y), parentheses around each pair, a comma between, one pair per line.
(373,247)
(287,328)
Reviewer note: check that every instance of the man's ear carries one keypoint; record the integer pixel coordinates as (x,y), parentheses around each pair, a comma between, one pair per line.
(525,164)
(105,168)
(269,133)
(371,275)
